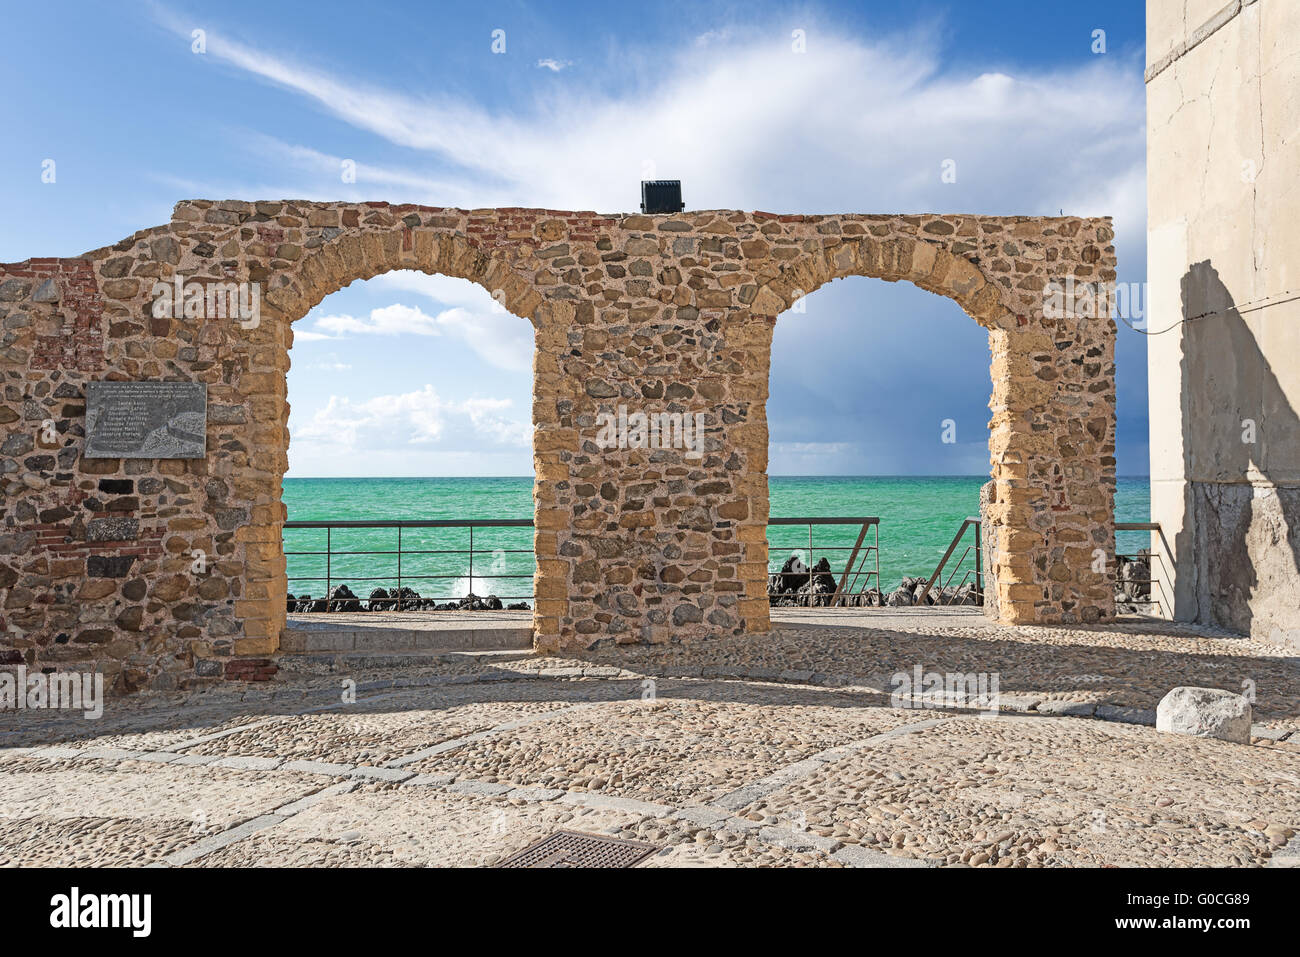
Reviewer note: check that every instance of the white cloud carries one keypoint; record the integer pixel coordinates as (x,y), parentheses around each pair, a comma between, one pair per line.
(330,363)
(713,36)
(807,448)
(328,169)
(421,418)
(447,290)
(394,320)
(854,124)
(496,336)
(555,66)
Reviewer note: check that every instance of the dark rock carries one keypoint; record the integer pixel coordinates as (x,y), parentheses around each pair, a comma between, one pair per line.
(106,566)
(112,530)
(816,585)
(823,576)
(209,668)
(870,598)
(468,603)
(916,586)
(900,598)
(686,614)
(1134,576)
(229,519)
(342,599)
(408,599)
(47,291)
(793,575)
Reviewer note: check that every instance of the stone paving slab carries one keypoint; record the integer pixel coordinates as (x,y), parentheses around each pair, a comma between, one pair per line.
(774,751)
(1019,791)
(393,725)
(156,731)
(632,749)
(86,811)
(1128,665)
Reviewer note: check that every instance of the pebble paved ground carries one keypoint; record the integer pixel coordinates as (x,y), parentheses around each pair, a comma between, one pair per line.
(776,751)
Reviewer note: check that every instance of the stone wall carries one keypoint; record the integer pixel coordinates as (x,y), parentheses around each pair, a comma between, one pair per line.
(656,313)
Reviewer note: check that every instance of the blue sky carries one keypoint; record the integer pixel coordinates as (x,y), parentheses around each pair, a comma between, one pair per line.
(415,375)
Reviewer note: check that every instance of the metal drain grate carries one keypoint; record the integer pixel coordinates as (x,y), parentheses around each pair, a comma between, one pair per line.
(575,849)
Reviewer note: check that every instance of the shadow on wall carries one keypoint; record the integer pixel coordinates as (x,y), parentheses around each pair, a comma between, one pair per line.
(1233,411)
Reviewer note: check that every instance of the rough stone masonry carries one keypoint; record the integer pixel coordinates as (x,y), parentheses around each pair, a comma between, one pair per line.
(666,313)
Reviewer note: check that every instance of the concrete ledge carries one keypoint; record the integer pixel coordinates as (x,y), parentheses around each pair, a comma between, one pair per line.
(388,632)
(340,662)
(852,855)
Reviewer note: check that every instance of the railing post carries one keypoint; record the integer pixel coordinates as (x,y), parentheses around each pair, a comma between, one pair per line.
(879,587)
(810,566)
(328,548)
(471,559)
(399,567)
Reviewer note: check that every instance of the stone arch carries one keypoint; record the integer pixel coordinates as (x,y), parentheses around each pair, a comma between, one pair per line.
(361,256)
(925,265)
(334,265)
(1034,564)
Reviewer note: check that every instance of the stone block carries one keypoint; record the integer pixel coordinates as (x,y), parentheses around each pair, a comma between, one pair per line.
(1205,713)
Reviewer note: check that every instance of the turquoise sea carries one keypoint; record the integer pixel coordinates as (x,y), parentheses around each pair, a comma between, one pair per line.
(918,517)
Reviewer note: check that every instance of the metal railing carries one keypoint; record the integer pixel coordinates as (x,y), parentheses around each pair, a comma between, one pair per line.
(854,577)
(947,594)
(1131,587)
(330,553)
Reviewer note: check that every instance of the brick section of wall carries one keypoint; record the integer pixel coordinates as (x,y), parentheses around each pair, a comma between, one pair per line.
(658,314)
(67,316)
(250,669)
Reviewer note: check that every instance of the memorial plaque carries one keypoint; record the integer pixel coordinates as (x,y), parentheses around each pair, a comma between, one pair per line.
(146,420)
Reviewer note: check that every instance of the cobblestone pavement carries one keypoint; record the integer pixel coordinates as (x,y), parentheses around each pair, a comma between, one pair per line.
(774,751)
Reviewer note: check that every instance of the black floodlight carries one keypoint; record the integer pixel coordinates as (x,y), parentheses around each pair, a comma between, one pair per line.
(661,196)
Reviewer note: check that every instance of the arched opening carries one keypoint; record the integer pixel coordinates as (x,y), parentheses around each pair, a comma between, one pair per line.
(409,487)
(878,408)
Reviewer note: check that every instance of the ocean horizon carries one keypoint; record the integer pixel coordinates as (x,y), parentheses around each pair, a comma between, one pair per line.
(919,515)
